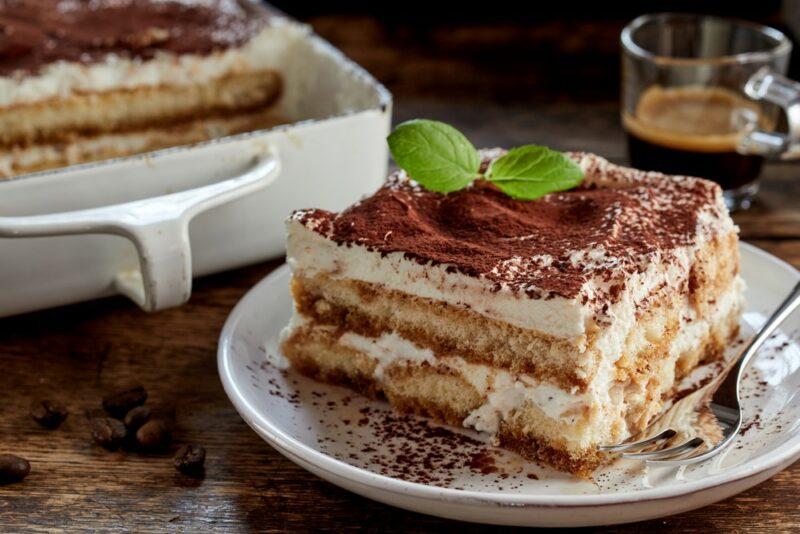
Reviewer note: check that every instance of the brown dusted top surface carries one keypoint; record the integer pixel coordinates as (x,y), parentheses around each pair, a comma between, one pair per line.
(34,33)
(621,219)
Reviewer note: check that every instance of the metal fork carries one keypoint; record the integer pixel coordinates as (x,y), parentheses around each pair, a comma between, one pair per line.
(682,434)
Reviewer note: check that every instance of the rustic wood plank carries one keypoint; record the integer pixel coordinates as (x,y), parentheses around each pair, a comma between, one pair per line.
(76,353)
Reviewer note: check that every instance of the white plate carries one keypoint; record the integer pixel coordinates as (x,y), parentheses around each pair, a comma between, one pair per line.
(360,445)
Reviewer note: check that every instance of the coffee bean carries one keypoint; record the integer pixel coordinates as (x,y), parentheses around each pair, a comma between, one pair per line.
(120,403)
(49,414)
(136,418)
(108,432)
(13,468)
(154,434)
(189,459)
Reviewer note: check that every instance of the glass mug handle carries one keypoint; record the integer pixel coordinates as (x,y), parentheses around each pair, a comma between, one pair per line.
(769,86)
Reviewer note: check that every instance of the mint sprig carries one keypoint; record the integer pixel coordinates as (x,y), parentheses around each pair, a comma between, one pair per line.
(441,159)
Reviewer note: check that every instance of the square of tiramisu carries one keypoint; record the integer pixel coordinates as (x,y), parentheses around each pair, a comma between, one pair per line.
(557,324)
(89,80)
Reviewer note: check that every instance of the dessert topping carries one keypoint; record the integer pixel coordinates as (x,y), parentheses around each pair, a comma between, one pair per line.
(441,159)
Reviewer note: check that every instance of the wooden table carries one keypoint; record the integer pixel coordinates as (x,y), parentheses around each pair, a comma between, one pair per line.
(78,352)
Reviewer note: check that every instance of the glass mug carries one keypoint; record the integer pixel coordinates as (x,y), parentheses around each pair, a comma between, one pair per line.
(701,96)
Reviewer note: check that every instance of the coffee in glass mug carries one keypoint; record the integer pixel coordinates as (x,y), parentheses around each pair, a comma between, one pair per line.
(701,96)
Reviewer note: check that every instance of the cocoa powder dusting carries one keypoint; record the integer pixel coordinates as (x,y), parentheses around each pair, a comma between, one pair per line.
(406,446)
(618,222)
(432,455)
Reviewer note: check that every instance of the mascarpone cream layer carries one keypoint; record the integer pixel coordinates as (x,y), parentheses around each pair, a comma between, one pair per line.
(586,419)
(268,49)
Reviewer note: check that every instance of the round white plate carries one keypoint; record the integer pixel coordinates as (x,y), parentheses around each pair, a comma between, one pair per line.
(361,445)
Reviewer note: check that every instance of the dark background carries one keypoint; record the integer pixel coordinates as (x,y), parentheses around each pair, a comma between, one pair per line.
(499,51)
(506,72)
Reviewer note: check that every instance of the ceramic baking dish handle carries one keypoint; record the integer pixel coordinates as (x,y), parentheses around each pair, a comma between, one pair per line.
(157,226)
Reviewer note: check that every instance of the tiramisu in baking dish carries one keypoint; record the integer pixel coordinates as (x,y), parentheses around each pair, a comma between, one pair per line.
(88,80)
(557,324)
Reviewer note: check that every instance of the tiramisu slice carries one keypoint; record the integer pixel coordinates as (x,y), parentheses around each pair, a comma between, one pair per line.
(556,324)
(87,80)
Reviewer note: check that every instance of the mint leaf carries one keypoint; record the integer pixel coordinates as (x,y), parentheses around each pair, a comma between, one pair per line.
(434,154)
(529,172)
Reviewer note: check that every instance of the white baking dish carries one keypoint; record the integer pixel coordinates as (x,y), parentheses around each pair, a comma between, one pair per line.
(144,226)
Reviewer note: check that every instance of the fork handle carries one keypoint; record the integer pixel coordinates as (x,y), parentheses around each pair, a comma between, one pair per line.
(781,314)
